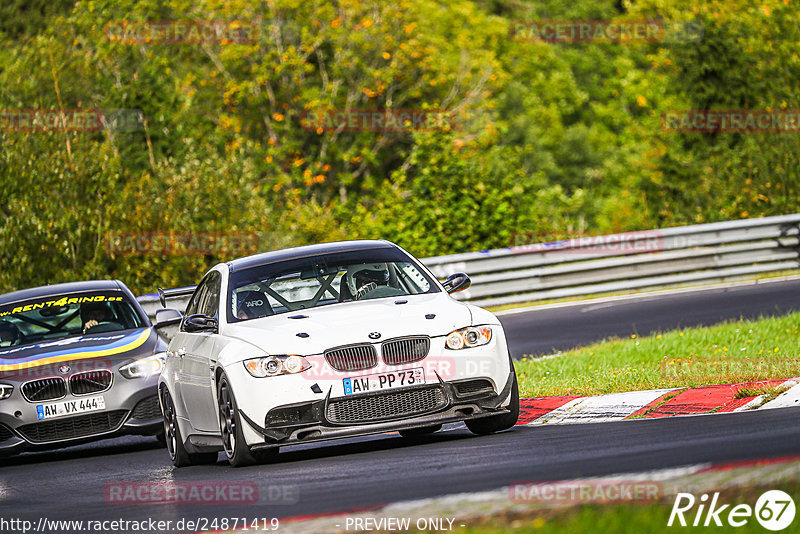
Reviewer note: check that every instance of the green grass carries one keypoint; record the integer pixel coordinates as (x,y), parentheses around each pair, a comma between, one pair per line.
(767,392)
(622,518)
(738,351)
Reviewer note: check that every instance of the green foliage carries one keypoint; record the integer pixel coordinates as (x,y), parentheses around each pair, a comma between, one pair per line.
(747,58)
(548,140)
(728,353)
(25,17)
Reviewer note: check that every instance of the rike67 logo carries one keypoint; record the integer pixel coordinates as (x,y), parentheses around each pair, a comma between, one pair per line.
(774,510)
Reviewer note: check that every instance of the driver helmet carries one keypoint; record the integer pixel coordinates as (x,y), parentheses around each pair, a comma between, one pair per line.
(9,334)
(360,275)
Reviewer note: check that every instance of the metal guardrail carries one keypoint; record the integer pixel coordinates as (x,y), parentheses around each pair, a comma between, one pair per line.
(648,259)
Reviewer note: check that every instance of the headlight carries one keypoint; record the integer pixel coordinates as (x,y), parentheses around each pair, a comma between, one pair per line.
(276,365)
(5,391)
(145,367)
(468,337)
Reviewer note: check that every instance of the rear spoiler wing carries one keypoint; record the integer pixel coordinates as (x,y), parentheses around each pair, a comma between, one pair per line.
(164,294)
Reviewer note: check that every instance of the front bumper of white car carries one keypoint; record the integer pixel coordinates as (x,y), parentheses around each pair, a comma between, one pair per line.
(307,422)
(312,406)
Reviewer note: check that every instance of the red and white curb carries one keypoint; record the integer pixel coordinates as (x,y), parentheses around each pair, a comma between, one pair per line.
(790,397)
(601,408)
(653,403)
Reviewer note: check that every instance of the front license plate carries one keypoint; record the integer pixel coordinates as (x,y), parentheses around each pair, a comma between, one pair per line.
(70,407)
(377,382)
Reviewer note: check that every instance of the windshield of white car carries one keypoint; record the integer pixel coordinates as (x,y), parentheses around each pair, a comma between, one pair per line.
(304,283)
(61,316)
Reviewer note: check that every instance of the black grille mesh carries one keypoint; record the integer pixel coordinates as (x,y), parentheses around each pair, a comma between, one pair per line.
(352,358)
(44,389)
(386,406)
(147,409)
(90,382)
(407,350)
(72,427)
(474,386)
(5,434)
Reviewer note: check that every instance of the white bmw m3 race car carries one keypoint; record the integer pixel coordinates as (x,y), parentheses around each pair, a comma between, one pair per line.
(323,342)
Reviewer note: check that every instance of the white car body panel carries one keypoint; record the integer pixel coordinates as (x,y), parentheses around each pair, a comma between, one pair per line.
(191,378)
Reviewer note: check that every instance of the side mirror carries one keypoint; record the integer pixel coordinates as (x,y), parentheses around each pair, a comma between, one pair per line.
(167,318)
(200,323)
(457,282)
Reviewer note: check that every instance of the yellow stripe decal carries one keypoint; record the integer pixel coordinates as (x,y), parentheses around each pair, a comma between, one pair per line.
(78,355)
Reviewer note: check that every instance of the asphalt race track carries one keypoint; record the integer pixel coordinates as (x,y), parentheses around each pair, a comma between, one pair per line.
(364,473)
(539,332)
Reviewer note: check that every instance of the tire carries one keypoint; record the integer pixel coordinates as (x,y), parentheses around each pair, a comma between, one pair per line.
(236,449)
(161,438)
(496,423)
(421,431)
(174,442)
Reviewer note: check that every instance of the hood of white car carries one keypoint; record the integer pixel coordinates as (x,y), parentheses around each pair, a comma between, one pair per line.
(334,325)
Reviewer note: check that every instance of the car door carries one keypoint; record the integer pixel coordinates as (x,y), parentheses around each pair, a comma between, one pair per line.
(177,350)
(199,359)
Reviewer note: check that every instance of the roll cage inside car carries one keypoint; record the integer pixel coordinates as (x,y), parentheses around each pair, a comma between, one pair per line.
(323,271)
